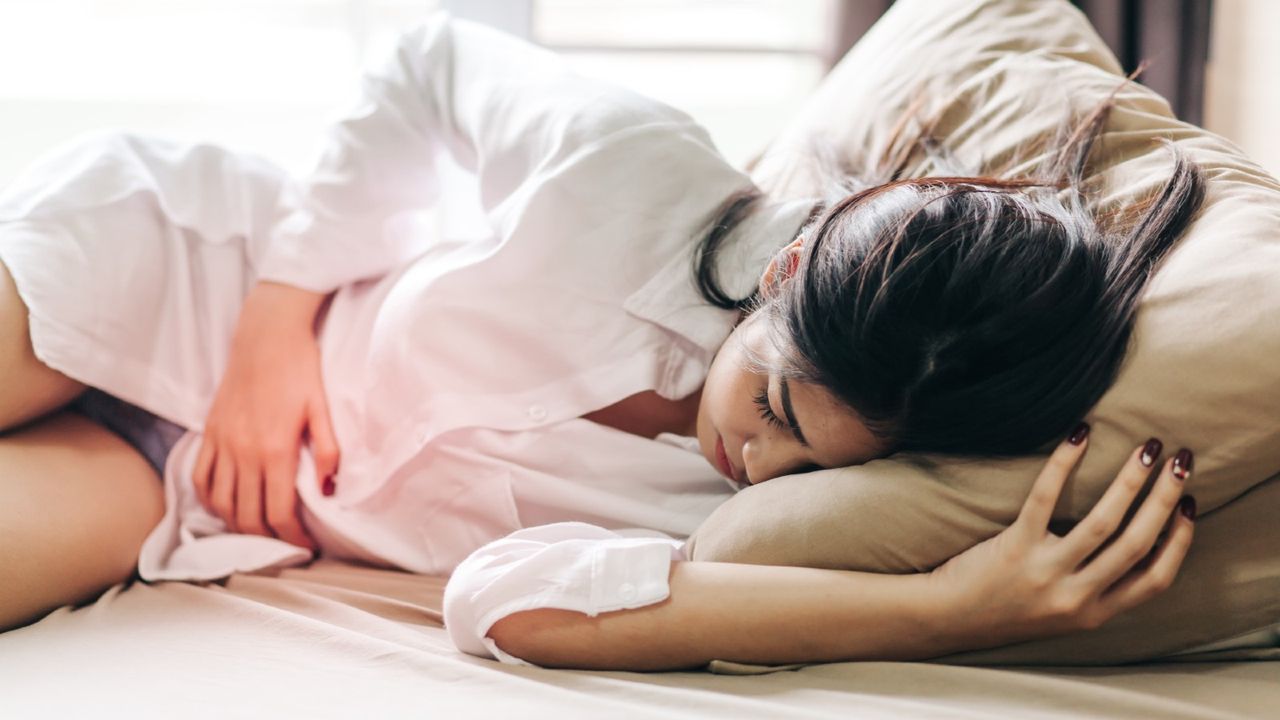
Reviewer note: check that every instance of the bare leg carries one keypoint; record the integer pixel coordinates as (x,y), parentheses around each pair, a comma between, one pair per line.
(76,502)
(28,387)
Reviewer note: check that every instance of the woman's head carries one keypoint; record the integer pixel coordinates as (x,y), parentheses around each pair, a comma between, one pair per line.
(961,315)
(771,425)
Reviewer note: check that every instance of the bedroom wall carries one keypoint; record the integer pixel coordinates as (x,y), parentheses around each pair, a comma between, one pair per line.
(1242,83)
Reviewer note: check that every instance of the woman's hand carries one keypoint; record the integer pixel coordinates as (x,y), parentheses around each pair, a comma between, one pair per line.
(271,392)
(1027,582)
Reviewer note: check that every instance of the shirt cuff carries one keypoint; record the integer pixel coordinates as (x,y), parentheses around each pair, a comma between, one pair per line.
(575,566)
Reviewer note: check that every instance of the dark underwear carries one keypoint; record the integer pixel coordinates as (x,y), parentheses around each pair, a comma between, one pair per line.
(152,436)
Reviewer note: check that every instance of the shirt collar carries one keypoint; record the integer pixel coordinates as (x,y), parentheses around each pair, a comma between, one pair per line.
(671,297)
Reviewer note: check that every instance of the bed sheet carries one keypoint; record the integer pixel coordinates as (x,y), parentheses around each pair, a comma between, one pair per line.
(335,639)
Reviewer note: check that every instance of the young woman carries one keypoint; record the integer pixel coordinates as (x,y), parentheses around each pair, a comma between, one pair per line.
(543,408)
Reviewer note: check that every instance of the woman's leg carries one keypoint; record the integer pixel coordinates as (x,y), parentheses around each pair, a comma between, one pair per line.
(76,502)
(28,387)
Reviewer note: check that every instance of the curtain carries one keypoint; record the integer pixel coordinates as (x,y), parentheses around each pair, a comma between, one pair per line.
(852,18)
(1173,35)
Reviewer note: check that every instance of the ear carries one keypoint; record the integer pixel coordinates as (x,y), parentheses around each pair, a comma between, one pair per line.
(785,261)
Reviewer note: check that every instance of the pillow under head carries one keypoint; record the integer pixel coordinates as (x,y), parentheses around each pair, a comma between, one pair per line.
(1203,366)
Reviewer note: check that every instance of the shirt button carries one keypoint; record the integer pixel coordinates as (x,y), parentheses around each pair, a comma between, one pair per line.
(537,412)
(627,592)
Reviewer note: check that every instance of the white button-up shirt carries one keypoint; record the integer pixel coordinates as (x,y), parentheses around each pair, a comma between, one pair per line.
(580,296)
(457,369)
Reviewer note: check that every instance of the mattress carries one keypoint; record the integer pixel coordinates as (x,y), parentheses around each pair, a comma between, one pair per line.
(337,640)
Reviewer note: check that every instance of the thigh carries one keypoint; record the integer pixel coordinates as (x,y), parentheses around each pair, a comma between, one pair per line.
(29,388)
(76,503)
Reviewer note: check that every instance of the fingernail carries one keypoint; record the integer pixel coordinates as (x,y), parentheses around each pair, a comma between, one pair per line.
(1150,452)
(1187,506)
(327,488)
(1078,435)
(1182,464)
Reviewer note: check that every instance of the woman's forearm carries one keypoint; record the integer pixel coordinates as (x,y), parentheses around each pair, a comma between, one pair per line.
(1021,584)
(745,613)
(273,302)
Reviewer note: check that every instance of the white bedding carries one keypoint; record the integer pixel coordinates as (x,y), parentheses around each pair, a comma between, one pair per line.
(335,640)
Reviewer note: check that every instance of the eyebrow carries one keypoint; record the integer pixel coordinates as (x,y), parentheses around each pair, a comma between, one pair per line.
(791,414)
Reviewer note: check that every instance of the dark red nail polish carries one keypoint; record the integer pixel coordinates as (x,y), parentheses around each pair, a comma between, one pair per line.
(1078,435)
(1187,506)
(327,488)
(1150,452)
(1182,464)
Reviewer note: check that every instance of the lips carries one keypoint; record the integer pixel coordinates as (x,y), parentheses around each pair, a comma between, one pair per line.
(722,459)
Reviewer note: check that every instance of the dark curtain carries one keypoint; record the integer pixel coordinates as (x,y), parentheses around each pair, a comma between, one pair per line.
(852,19)
(1173,35)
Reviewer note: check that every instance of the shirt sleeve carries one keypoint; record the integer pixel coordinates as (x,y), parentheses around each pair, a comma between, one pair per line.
(566,565)
(511,113)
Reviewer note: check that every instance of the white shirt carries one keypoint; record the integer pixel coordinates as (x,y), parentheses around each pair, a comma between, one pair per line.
(456,369)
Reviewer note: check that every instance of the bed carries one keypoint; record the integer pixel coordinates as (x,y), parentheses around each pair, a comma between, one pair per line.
(337,639)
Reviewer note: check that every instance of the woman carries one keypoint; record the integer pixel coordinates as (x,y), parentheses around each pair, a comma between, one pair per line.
(495,396)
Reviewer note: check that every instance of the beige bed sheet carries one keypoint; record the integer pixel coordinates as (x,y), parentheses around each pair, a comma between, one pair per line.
(337,640)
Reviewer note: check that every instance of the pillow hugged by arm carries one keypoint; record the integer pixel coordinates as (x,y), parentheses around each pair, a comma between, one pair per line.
(1023,583)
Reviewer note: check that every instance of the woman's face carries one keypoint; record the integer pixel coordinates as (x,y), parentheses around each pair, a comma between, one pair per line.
(760,449)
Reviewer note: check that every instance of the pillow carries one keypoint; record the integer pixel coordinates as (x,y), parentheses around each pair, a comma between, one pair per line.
(1202,370)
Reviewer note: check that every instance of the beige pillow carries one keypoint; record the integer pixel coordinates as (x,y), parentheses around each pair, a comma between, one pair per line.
(1203,369)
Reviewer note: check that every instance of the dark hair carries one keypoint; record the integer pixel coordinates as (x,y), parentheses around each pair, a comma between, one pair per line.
(973,316)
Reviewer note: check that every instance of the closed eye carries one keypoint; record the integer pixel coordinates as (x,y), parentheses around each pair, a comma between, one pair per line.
(762,403)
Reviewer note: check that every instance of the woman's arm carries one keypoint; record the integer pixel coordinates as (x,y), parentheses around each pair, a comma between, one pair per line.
(508,111)
(1021,584)
(746,613)
(269,393)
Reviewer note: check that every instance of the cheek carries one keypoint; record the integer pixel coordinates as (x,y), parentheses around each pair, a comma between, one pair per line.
(732,402)
(717,395)
(726,395)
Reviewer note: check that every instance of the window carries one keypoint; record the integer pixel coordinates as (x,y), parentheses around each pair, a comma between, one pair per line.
(268,76)
(740,67)
(260,75)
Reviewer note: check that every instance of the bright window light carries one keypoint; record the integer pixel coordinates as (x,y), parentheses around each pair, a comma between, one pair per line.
(267,76)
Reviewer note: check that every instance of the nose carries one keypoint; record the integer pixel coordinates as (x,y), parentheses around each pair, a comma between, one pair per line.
(765,459)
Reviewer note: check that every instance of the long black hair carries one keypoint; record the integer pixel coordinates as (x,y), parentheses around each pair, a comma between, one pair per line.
(958,314)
